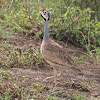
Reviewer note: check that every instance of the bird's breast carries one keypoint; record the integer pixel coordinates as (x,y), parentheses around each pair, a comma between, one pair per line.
(42,49)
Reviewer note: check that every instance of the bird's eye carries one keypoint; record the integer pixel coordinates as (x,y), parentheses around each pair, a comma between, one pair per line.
(45,13)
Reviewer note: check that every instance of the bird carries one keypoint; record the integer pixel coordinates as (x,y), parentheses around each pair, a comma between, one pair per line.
(53,53)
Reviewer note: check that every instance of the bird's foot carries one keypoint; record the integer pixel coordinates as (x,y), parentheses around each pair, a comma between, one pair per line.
(48,79)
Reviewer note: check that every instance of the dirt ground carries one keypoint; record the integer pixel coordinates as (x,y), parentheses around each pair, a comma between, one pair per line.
(90,77)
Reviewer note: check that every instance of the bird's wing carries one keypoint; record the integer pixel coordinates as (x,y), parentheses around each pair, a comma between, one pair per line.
(56,54)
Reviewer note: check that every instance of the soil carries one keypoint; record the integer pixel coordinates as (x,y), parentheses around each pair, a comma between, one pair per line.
(87,84)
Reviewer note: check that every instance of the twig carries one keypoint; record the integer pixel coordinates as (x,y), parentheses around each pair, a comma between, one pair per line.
(74,22)
(11,4)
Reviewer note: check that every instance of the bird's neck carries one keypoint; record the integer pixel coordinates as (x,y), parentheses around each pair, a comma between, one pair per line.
(46,33)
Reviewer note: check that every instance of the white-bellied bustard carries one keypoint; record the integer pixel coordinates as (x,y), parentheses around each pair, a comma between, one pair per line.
(52,52)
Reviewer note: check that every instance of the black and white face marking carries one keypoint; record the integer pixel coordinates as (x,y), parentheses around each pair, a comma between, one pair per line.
(45,14)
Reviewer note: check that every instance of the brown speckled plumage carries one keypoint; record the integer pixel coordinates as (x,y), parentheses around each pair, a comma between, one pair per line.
(54,53)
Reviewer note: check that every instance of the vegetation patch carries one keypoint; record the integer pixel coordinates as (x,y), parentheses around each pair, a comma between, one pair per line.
(72,21)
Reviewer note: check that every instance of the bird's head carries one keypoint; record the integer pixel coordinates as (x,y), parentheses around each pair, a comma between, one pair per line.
(45,14)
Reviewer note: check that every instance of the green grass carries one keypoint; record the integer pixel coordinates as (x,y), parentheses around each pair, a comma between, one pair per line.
(78,97)
(4,75)
(15,58)
(5,35)
(70,20)
(31,58)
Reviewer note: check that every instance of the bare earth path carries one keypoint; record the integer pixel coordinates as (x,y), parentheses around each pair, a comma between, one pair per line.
(87,84)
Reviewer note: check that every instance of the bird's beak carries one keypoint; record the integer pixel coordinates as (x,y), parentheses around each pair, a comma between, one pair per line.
(41,10)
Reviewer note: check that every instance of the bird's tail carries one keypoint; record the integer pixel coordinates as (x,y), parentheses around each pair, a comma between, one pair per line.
(74,65)
(76,70)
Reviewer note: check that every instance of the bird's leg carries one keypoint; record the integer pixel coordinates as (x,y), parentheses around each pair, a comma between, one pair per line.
(55,78)
(61,72)
(48,78)
(51,77)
